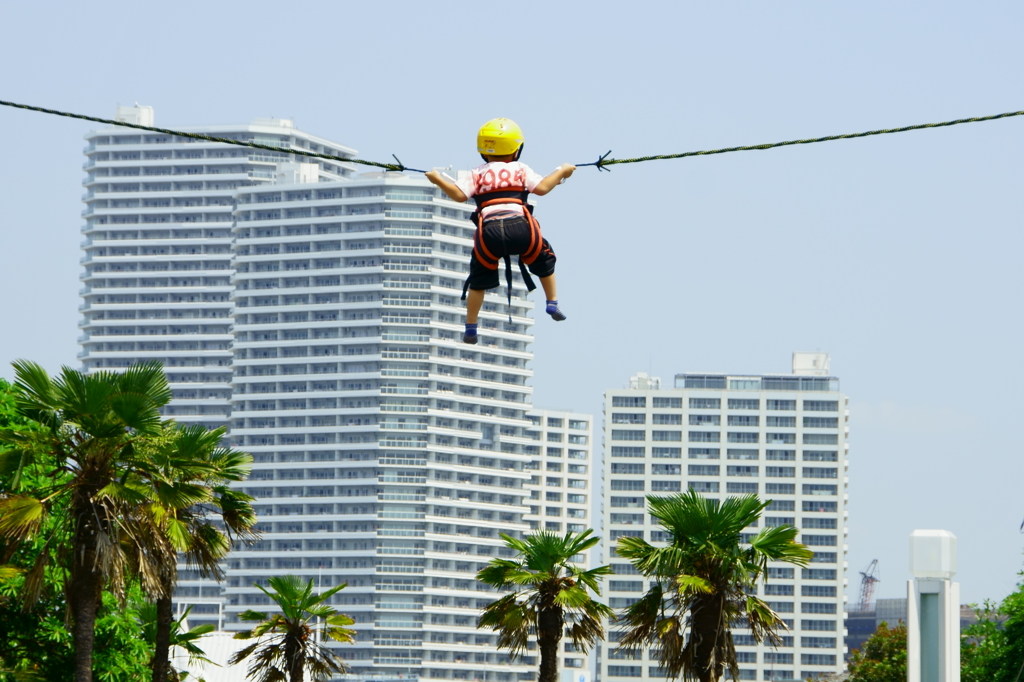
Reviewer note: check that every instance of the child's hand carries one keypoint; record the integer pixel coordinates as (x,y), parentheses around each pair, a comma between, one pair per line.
(567,169)
(433,176)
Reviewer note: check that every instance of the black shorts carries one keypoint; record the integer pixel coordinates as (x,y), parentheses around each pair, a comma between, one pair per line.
(501,237)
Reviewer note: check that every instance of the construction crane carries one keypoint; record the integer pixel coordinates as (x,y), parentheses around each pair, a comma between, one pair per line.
(867,585)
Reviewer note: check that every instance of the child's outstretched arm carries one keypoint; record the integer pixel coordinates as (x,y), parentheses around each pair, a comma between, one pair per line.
(556,178)
(447,186)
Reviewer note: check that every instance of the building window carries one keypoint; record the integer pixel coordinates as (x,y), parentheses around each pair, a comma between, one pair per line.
(637,502)
(781,607)
(817,607)
(818,590)
(780,455)
(741,488)
(780,488)
(733,470)
(744,404)
(780,438)
(817,489)
(819,522)
(705,404)
(675,403)
(577,425)
(743,437)
(821,422)
(628,468)
(821,406)
(574,498)
(778,590)
(783,422)
(552,511)
(780,573)
(553,481)
(775,521)
(667,452)
(775,657)
(818,573)
(665,486)
(626,451)
(628,401)
(704,453)
(627,484)
(629,418)
(701,419)
(704,486)
(626,585)
(780,472)
(821,439)
(782,505)
(743,453)
(623,434)
(628,519)
(819,506)
(780,405)
(817,659)
(555,422)
(702,436)
(823,557)
(744,420)
(671,436)
(819,625)
(667,419)
(819,540)
(625,671)
(821,456)
(666,469)
(703,470)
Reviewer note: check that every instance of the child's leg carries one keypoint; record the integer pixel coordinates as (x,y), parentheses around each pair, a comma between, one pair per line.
(551,294)
(474,301)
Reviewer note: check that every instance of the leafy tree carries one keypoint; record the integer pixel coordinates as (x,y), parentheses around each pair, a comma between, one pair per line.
(193,514)
(82,450)
(702,583)
(883,657)
(287,646)
(993,648)
(550,595)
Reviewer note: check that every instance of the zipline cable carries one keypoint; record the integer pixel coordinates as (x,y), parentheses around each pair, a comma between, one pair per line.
(238,143)
(603,160)
(601,164)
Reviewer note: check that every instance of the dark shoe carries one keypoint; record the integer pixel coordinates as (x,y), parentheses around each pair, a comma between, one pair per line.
(466,338)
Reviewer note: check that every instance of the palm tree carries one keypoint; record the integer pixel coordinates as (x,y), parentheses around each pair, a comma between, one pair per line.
(703,583)
(89,425)
(194,515)
(287,647)
(550,595)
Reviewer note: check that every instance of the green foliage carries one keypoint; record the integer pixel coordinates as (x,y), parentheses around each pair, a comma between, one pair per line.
(993,648)
(883,657)
(701,582)
(549,595)
(287,646)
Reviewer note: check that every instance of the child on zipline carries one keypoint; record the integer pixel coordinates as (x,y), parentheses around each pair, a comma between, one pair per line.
(505,223)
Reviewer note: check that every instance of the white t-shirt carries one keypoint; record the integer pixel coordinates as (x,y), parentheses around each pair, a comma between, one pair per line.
(499,175)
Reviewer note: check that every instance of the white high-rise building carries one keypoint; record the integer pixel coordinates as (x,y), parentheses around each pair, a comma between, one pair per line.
(157,279)
(783,437)
(389,454)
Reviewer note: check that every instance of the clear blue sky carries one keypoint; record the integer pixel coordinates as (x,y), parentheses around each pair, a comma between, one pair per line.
(900,255)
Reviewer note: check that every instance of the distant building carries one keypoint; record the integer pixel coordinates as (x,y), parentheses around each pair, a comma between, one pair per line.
(783,437)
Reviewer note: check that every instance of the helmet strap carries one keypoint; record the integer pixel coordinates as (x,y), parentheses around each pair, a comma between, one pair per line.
(519,152)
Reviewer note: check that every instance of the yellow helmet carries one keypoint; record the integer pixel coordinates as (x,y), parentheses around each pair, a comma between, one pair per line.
(499,137)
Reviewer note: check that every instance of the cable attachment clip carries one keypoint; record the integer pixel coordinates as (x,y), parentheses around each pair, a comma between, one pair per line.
(600,163)
(402,167)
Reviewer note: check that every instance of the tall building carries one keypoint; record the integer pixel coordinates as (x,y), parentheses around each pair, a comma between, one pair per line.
(157,261)
(389,455)
(783,437)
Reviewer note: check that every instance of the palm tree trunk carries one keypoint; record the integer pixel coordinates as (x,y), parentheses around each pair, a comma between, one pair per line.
(84,586)
(293,657)
(162,652)
(706,631)
(549,634)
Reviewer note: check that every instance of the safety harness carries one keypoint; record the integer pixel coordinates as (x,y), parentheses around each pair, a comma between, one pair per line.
(489,260)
